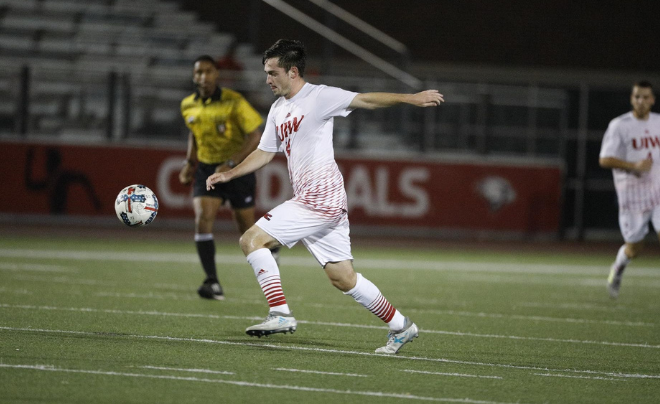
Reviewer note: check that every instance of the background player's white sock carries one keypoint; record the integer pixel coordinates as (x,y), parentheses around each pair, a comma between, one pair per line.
(268,276)
(621,259)
(368,295)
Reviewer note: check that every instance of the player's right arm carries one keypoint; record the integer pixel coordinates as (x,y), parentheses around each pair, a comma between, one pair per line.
(188,169)
(613,150)
(252,163)
(635,167)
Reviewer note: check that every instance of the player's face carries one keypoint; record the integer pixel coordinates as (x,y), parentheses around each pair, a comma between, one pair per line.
(277,78)
(642,99)
(205,77)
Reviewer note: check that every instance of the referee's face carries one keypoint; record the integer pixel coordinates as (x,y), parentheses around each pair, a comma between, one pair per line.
(205,77)
(642,99)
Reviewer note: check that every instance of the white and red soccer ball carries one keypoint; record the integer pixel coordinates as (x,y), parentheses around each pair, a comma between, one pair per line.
(136,205)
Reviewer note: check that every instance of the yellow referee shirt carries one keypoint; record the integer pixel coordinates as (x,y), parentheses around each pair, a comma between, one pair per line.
(219,123)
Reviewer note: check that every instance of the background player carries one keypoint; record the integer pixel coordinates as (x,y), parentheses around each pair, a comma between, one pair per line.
(224,129)
(300,124)
(630,146)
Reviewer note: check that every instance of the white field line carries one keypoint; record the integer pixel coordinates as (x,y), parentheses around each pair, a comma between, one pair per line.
(50,368)
(20,267)
(339,351)
(600,281)
(215,372)
(356,307)
(319,372)
(331,324)
(450,374)
(460,266)
(589,306)
(532,318)
(175,296)
(189,296)
(568,282)
(580,377)
(15,291)
(64,279)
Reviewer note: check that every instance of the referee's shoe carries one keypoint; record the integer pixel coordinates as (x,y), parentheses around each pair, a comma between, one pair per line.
(211,289)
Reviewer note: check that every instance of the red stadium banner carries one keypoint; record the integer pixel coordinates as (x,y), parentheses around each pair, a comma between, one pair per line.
(62,179)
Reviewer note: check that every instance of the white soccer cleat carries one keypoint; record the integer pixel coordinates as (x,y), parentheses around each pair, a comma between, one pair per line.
(275,323)
(397,339)
(614,282)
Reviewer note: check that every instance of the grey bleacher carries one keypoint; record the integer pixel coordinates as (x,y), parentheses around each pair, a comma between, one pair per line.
(71,46)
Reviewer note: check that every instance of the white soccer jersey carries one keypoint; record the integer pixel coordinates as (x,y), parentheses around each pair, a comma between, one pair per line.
(301,127)
(630,139)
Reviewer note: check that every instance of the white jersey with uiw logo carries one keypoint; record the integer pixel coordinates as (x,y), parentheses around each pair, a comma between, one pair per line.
(301,127)
(630,139)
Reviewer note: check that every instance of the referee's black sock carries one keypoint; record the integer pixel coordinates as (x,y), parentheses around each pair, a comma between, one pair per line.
(206,251)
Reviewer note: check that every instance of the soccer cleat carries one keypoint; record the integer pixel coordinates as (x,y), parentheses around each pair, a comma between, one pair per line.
(397,339)
(275,323)
(614,281)
(211,290)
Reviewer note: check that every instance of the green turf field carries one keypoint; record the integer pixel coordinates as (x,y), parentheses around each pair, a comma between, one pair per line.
(104,321)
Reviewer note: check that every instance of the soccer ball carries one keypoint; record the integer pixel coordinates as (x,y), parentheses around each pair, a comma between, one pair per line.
(136,205)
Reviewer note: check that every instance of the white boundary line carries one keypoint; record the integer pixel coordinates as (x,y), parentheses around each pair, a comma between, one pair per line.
(533,318)
(581,377)
(51,368)
(189,296)
(450,374)
(215,372)
(324,323)
(19,267)
(461,266)
(338,351)
(320,372)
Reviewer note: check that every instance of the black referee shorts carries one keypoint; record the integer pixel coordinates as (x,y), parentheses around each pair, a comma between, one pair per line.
(239,191)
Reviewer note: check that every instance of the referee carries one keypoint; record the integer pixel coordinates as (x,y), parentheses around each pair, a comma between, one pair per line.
(224,129)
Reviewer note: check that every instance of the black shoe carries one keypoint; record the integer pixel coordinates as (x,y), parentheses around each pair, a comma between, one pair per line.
(211,290)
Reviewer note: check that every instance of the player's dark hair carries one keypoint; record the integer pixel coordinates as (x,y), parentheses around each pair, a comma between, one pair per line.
(205,58)
(290,53)
(643,84)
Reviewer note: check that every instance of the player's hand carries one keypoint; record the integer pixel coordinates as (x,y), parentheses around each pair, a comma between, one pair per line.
(186,174)
(216,178)
(643,166)
(428,98)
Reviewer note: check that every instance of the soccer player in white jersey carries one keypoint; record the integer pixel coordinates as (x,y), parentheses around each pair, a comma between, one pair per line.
(631,146)
(300,124)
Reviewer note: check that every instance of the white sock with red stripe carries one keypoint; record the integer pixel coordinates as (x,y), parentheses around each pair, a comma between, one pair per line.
(368,295)
(268,276)
(621,259)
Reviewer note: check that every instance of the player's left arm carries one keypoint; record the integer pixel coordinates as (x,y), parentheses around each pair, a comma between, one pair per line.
(428,98)
(252,163)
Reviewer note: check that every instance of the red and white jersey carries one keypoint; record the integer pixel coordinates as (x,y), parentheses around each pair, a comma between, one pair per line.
(301,127)
(630,139)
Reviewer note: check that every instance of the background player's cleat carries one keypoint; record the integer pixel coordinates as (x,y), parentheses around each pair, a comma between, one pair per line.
(397,339)
(614,281)
(211,290)
(273,324)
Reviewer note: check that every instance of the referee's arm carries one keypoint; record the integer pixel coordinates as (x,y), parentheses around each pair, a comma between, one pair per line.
(188,169)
